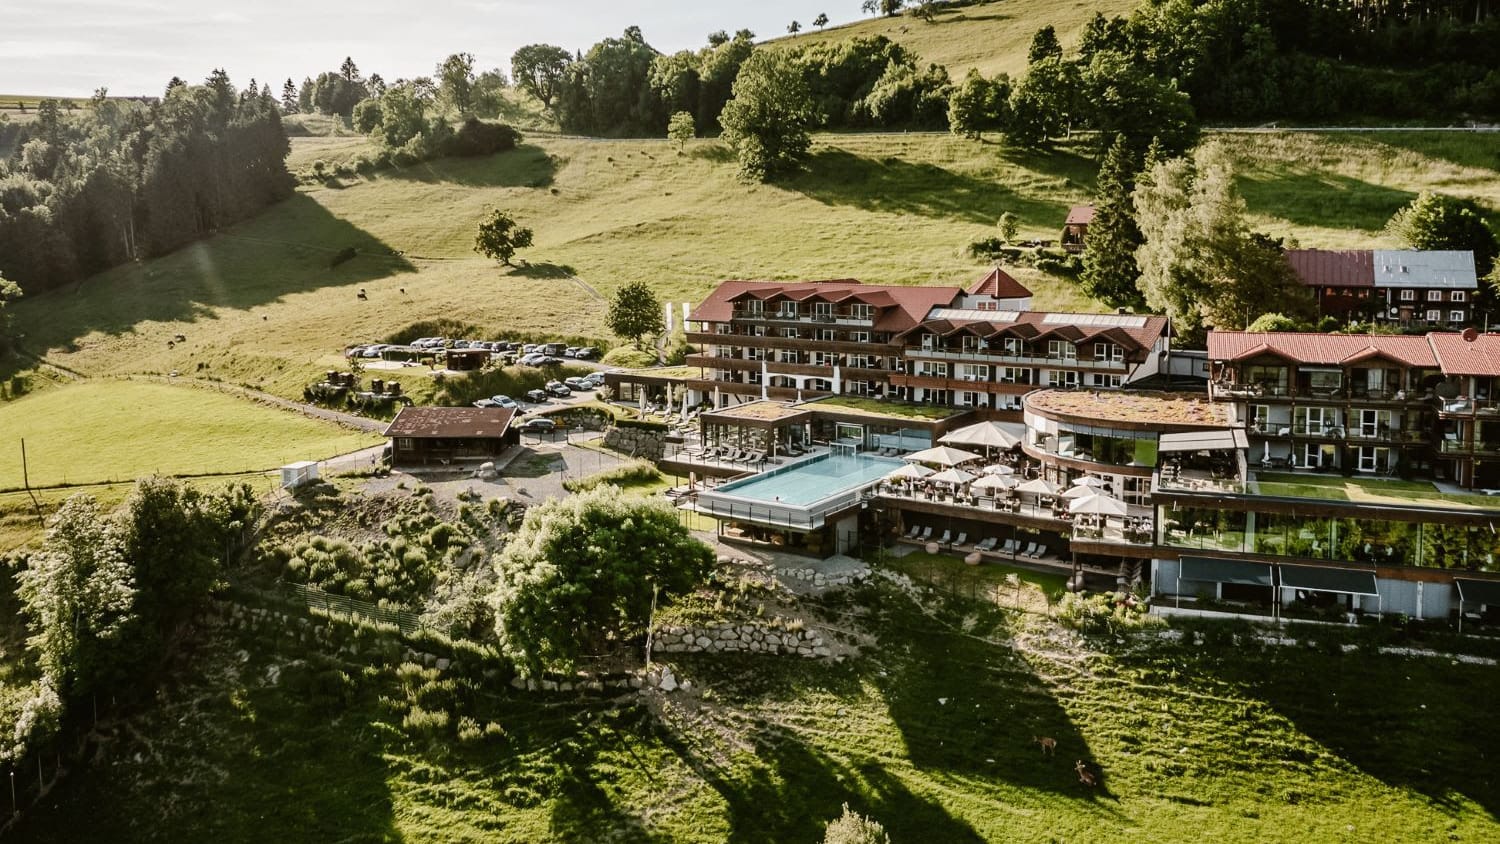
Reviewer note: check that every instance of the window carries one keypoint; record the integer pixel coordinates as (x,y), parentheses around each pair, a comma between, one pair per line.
(1458,296)
(754,307)
(1260,417)
(1408,295)
(787,356)
(970,343)
(1111,381)
(1062,378)
(862,311)
(859,336)
(929,341)
(932,370)
(788,310)
(823,359)
(823,311)
(790,333)
(1434,316)
(1062,350)
(825,334)
(1109,351)
(1014,375)
(1434,295)
(988,305)
(723,328)
(1013,346)
(971,399)
(970,372)
(755,354)
(406,443)
(1455,316)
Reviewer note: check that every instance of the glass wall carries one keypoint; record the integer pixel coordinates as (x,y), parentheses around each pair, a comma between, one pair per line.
(1350,540)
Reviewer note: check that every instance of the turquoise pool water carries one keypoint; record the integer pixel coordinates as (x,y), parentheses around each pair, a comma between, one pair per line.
(813,481)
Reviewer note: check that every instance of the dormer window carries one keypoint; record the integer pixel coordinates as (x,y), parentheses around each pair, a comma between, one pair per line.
(862,311)
(788,310)
(823,311)
(754,307)
(929,341)
(1061,350)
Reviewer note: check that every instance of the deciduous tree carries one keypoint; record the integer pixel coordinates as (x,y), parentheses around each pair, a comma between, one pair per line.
(500,236)
(1437,221)
(635,312)
(455,77)
(978,105)
(767,122)
(821,20)
(9,292)
(681,129)
(581,575)
(794,27)
(1044,45)
(538,69)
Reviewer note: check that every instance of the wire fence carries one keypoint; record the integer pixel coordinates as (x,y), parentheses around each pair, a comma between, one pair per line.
(409,623)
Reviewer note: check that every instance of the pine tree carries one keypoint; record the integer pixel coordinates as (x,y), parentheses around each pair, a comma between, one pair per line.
(1110,273)
(289,97)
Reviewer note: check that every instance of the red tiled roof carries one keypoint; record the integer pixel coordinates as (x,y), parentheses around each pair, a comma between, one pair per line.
(1326,349)
(999,285)
(1080,215)
(1328,268)
(1030,325)
(901,306)
(1457,356)
(456,422)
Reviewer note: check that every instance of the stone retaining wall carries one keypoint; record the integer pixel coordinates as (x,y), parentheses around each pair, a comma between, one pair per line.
(636,442)
(741,638)
(821,580)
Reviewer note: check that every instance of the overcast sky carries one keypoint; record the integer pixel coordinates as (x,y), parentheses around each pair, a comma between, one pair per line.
(72,47)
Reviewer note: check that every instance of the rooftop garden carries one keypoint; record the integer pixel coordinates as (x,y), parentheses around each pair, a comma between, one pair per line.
(891,409)
(1371,490)
(765,411)
(1167,409)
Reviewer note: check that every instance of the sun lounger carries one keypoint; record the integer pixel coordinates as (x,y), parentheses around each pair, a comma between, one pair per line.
(947,537)
(1041,551)
(1029,551)
(987,544)
(915,529)
(926,534)
(961,540)
(1009,547)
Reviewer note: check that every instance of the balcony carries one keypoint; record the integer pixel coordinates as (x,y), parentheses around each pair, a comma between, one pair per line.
(1463,406)
(801,317)
(1221,390)
(1131,531)
(1461,448)
(999,357)
(940,382)
(749,341)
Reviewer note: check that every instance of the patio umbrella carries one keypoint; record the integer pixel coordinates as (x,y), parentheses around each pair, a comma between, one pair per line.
(1089,480)
(942,456)
(952,476)
(1039,486)
(1098,505)
(986,434)
(999,469)
(910,471)
(1080,491)
(994,482)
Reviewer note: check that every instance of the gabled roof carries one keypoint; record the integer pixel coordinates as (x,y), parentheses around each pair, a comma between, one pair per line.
(454,422)
(1000,285)
(1080,215)
(901,306)
(1319,349)
(1138,330)
(1451,269)
(1330,268)
(1457,356)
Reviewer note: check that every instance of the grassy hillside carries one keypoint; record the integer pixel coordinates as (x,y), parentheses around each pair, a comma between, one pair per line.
(259,303)
(112,431)
(993,37)
(929,731)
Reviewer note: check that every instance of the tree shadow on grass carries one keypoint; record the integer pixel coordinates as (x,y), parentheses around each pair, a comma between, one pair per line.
(543,269)
(1310,198)
(526,166)
(716,152)
(1412,724)
(291,248)
(894,185)
(1479,150)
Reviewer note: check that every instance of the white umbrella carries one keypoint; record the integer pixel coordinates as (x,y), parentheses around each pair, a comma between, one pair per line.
(942,456)
(987,434)
(994,482)
(910,471)
(1089,480)
(952,476)
(1040,486)
(999,469)
(1081,491)
(1098,505)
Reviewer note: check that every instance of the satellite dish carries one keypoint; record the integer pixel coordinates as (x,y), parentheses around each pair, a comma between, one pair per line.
(1448,390)
(1395,312)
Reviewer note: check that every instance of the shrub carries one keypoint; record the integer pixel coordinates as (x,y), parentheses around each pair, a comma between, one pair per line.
(854,828)
(477,137)
(626,474)
(423,722)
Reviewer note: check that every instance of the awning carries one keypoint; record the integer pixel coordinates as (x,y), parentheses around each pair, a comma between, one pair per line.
(1215,570)
(1478,591)
(1224,439)
(1321,579)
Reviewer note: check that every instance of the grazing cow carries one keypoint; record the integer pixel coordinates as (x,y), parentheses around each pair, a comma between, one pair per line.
(1085,776)
(361,294)
(1049,744)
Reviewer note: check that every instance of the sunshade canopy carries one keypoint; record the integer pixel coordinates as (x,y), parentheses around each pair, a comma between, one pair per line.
(1321,579)
(986,434)
(999,469)
(1098,505)
(995,482)
(1040,486)
(911,471)
(1080,491)
(1089,480)
(952,476)
(1213,440)
(1215,570)
(942,456)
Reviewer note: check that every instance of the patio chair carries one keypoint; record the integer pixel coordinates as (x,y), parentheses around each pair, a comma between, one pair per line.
(755,457)
(926,534)
(915,529)
(1040,552)
(947,536)
(1009,547)
(961,540)
(1030,550)
(987,544)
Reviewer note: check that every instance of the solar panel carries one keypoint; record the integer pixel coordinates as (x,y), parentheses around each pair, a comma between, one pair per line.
(974,315)
(1105,320)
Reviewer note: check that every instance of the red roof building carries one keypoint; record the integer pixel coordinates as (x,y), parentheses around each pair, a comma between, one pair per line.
(999,284)
(1403,287)
(1076,227)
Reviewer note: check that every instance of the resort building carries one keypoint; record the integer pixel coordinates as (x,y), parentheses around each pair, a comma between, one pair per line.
(1075,231)
(1400,287)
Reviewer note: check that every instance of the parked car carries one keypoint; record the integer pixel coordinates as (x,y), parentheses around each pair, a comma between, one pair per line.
(554,349)
(558,389)
(595,380)
(571,351)
(533,359)
(549,360)
(586,353)
(504,401)
(578,384)
(485,403)
(530,347)
(536,396)
(538,425)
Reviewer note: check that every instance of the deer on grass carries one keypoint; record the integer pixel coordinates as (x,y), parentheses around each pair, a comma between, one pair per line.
(1049,744)
(1085,776)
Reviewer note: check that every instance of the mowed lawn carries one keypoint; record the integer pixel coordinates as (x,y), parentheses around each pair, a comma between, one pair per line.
(260,304)
(118,431)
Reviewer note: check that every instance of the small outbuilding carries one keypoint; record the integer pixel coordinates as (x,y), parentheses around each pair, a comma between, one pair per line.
(422,436)
(466,360)
(1076,227)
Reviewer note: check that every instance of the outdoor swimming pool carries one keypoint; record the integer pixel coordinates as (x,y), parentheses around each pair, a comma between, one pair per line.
(808,483)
